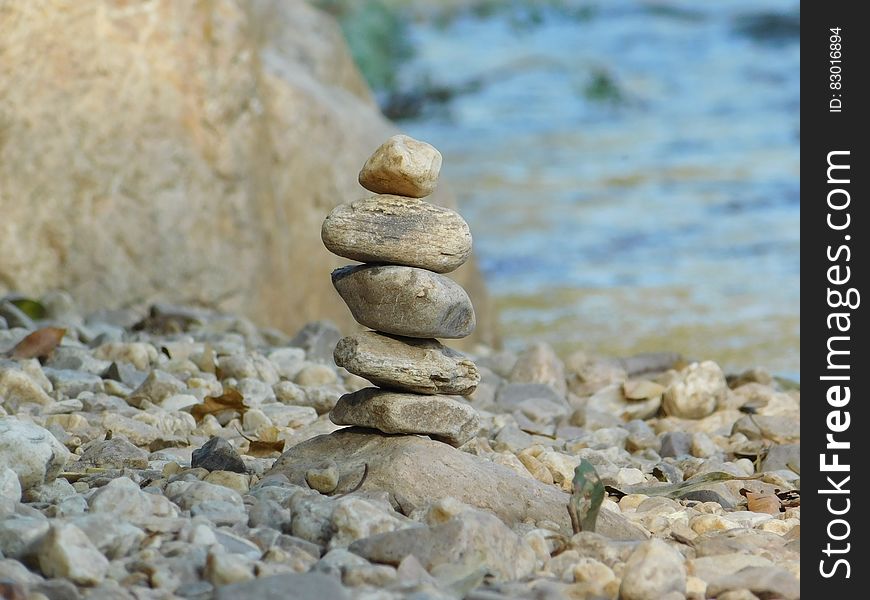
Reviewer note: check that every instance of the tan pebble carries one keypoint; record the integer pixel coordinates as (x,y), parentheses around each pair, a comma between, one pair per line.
(229,479)
(779,527)
(696,588)
(222,569)
(706,523)
(402,166)
(316,374)
(534,466)
(641,389)
(323,479)
(630,502)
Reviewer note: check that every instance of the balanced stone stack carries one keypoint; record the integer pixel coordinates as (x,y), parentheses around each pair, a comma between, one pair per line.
(405,244)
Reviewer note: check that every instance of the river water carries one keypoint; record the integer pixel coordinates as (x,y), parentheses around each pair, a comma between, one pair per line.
(629,172)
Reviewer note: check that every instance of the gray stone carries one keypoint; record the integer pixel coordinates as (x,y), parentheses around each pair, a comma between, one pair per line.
(20,537)
(76,359)
(355,518)
(18,388)
(318,339)
(391,412)
(539,364)
(399,231)
(402,166)
(410,364)
(158,386)
(113,537)
(66,552)
(125,373)
(405,301)
(217,454)
(220,512)
(10,487)
(653,571)
(765,582)
(123,498)
(290,586)
(416,471)
(31,451)
(70,383)
(782,456)
(710,568)
(115,453)
(187,494)
(611,399)
(676,443)
(471,537)
(781,429)
(250,365)
(537,401)
(268,513)
(289,361)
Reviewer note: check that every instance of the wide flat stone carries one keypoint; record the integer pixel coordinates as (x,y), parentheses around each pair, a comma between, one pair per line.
(410,364)
(405,301)
(400,231)
(392,412)
(402,166)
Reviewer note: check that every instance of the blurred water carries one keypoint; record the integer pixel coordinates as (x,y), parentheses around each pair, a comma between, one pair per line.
(662,215)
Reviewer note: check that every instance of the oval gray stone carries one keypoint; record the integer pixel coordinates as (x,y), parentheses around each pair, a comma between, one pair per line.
(399,231)
(409,364)
(392,412)
(405,301)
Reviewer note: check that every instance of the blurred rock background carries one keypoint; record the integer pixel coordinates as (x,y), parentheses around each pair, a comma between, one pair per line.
(183,152)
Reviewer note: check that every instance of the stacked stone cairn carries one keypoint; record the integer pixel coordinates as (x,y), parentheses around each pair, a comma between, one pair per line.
(405,244)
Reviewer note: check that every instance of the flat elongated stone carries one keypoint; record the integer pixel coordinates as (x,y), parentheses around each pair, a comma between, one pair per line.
(392,412)
(402,166)
(399,231)
(410,364)
(405,301)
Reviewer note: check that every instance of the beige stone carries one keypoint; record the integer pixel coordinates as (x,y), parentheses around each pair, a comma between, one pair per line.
(415,472)
(539,364)
(398,231)
(66,552)
(423,366)
(402,166)
(405,301)
(439,417)
(695,391)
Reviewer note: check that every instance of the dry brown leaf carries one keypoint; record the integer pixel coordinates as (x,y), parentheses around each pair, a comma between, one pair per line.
(40,343)
(763,502)
(230,400)
(265,449)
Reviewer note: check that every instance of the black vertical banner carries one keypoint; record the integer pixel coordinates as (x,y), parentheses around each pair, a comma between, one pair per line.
(834,262)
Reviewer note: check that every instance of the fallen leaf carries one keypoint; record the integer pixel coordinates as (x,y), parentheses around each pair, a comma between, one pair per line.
(230,400)
(763,502)
(39,344)
(264,449)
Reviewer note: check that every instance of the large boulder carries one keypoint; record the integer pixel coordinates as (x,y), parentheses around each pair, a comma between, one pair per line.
(182,151)
(416,471)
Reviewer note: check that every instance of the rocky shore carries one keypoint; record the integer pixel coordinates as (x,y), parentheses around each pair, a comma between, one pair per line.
(178,452)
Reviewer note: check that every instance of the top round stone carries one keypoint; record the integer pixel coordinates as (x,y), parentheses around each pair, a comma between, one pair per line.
(402,166)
